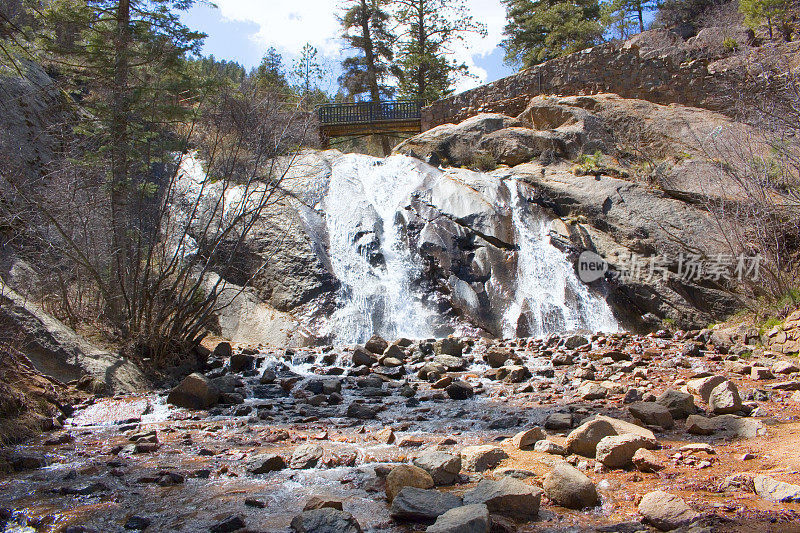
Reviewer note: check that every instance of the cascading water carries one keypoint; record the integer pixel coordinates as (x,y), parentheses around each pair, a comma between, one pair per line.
(364,217)
(366,214)
(549,297)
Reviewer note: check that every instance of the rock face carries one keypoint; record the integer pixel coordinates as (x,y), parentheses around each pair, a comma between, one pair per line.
(666,511)
(466,519)
(194,392)
(507,497)
(569,487)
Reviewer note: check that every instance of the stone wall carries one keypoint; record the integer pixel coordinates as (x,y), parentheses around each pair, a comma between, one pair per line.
(785,338)
(621,68)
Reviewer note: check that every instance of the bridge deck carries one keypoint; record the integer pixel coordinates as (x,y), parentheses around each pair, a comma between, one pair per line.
(369,118)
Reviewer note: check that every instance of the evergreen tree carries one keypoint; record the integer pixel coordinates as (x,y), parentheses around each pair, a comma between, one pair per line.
(127,60)
(775,13)
(270,73)
(538,30)
(627,16)
(428,29)
(307,70)
(365,24)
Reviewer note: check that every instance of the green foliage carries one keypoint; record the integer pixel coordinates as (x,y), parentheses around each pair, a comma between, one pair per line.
(590,163)
(626,17)
(483,162)
(427,29)
(307,70)
(679,12)
(270,73)
(538,30)
(730,44)
(365,25)
(775,13)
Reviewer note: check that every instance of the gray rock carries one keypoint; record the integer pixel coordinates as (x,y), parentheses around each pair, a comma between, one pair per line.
(481,458)
(306,456)
(325,520)
(261,464)
(680,404)
(450,362)
(776,491)
(548,446)
(460,390)
(529,437)
(583,440)
(617,451)
(703,386)
(422,505)
(652,414)
(666,511)
(507,497)
(569,487)
(194,392)
(466,519)
(376,344)
(361,411)
(442,467)
(724,399)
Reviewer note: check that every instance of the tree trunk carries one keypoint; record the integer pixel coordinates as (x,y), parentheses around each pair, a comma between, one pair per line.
(120,164)
(372,70)
(422,81)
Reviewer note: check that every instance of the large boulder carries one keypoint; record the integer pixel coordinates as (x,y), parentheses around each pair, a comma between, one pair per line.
(569,487)
(507,497)
(583,440)
(406,476)
(679,404)
(194,392)
(776,491)
(325,520)
(617,451)
(421,505)
(652,414)
(442,467)
(724,399)
(666,511)
(481,458)
(466,519)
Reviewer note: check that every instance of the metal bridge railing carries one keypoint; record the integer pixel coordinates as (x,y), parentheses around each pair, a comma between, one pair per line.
(367,112)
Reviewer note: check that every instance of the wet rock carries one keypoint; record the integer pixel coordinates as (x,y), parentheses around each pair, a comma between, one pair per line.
(194,392)
(306,456)
(262,464)
(362,357)
(703,386)
(680,404)
(231,523)
(137,522)
(776,491)
(442,467)
(466,519)
(513,373)
(497,357)
(575,341)
(227,383)
(325,520)
(547,446)
(617,451)
(460,390)
(318,502)
(240,362)
(449,346)
(652,414)
(24,461)
(507,497)
(666,511)
(724,399)
(223,350)
(406,476)
(450,362)
(558,421)
(646,461)
(376,344)
(361,411)
(267,377)
(481,458)
(422,505)
(569,487)
(529,437)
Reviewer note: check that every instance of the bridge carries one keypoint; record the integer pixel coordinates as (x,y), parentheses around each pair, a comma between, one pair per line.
(369,118)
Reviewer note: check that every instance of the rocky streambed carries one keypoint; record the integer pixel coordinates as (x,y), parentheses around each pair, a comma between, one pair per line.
(566,433)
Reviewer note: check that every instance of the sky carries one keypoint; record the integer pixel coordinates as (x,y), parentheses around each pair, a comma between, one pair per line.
(242,30)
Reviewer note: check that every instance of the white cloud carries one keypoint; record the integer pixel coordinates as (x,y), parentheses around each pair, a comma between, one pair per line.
(289,25)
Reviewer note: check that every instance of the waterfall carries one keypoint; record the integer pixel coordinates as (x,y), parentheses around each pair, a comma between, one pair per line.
(549,297)
(367,210)
(364,216)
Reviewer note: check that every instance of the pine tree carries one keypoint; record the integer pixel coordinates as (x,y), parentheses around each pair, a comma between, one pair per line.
(308,70)
(127,59)
(775,13)
(424,65)
(538,30)
(270,73)
(626,16)
(365,24)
